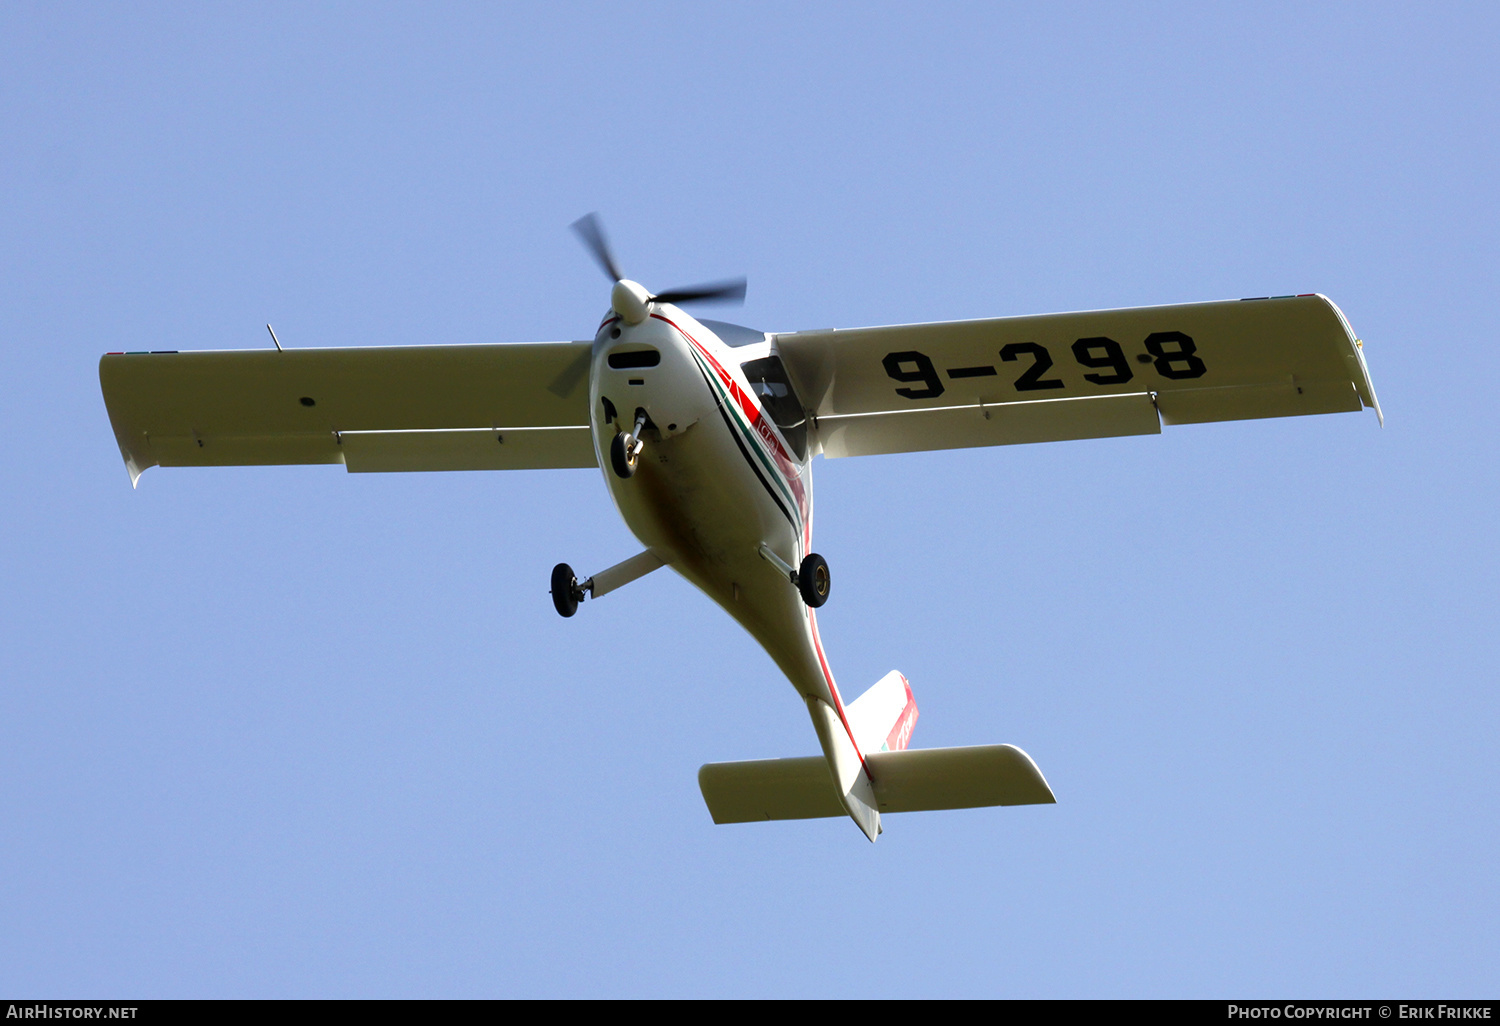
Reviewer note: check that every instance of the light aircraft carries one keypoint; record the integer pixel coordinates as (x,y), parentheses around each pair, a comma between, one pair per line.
(705,432)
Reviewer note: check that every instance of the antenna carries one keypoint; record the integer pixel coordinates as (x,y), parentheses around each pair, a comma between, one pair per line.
(275,339)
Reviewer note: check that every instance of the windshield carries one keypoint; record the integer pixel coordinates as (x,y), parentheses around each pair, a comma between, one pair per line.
(769,381)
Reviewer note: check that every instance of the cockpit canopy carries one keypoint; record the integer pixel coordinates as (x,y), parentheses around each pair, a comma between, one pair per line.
(769,381)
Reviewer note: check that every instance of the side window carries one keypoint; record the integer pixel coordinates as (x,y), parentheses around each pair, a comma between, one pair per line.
(769,381)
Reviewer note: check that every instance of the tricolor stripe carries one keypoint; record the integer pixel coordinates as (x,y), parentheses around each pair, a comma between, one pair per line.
(749,425)
(755,432)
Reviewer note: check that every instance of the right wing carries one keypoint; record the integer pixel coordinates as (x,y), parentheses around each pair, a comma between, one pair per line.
(1095,374)
(482,407)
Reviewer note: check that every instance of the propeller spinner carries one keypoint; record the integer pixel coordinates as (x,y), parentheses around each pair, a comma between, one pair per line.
(632,300)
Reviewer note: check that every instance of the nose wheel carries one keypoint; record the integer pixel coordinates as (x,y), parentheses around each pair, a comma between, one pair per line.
(625,449)
(623,456)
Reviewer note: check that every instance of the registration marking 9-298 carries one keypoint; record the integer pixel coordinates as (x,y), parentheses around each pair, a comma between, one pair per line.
(1172,353)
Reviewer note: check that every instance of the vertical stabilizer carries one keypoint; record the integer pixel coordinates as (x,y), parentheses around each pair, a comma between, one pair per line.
(883,717)
(847,767)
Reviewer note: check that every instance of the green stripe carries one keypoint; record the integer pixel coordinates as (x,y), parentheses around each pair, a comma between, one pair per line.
(757,444)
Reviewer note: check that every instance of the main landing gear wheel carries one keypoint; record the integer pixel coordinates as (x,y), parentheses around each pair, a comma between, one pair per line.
(813,580)
(565,590)
(623,457)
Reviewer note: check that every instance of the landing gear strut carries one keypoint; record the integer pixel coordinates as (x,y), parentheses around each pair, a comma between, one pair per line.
(568,590)
(810,579)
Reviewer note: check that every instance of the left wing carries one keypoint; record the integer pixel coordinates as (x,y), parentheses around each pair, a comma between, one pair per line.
(1094,374)
(482,407)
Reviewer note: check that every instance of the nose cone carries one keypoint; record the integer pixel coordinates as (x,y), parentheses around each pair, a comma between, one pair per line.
(631,301)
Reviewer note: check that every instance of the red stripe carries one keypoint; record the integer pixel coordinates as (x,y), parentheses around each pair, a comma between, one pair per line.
(748,406)
(833,689)
(900,735)
(753,413)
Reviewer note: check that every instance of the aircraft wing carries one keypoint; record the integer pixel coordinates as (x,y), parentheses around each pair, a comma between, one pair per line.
(480,407)
(1094,374)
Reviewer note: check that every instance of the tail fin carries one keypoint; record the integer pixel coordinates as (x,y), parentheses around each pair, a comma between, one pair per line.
(851,779)
(883,717)
(880,720)
(889,778)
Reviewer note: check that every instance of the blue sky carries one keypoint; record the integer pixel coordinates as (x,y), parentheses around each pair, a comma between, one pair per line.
(292,732)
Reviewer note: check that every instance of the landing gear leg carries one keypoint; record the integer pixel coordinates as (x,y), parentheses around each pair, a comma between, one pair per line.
(567,591)
(810,579)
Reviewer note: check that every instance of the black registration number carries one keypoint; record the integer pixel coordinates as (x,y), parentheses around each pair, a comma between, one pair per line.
(1172,355)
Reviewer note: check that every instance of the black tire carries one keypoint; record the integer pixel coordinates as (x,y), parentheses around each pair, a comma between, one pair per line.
(564,589)
(813,580)
(623,462)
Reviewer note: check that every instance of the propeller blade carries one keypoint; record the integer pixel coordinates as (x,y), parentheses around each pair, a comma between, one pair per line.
(732,291)
(592,233)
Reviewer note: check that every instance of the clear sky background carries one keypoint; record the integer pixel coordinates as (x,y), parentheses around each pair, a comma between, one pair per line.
(294,732)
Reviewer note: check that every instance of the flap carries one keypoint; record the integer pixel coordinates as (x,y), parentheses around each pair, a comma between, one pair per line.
(958,427)
(468,449)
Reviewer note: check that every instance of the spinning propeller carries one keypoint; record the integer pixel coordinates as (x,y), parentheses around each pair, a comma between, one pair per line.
(630,299)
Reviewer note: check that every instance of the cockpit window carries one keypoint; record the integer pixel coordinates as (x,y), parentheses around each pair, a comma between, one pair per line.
(733,334)
(769,381)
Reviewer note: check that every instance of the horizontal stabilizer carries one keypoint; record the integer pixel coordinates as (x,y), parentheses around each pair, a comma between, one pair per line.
(914,780)
(924,779)
(744,792)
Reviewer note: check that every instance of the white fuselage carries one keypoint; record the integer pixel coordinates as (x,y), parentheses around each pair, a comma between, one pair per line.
(715,481)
